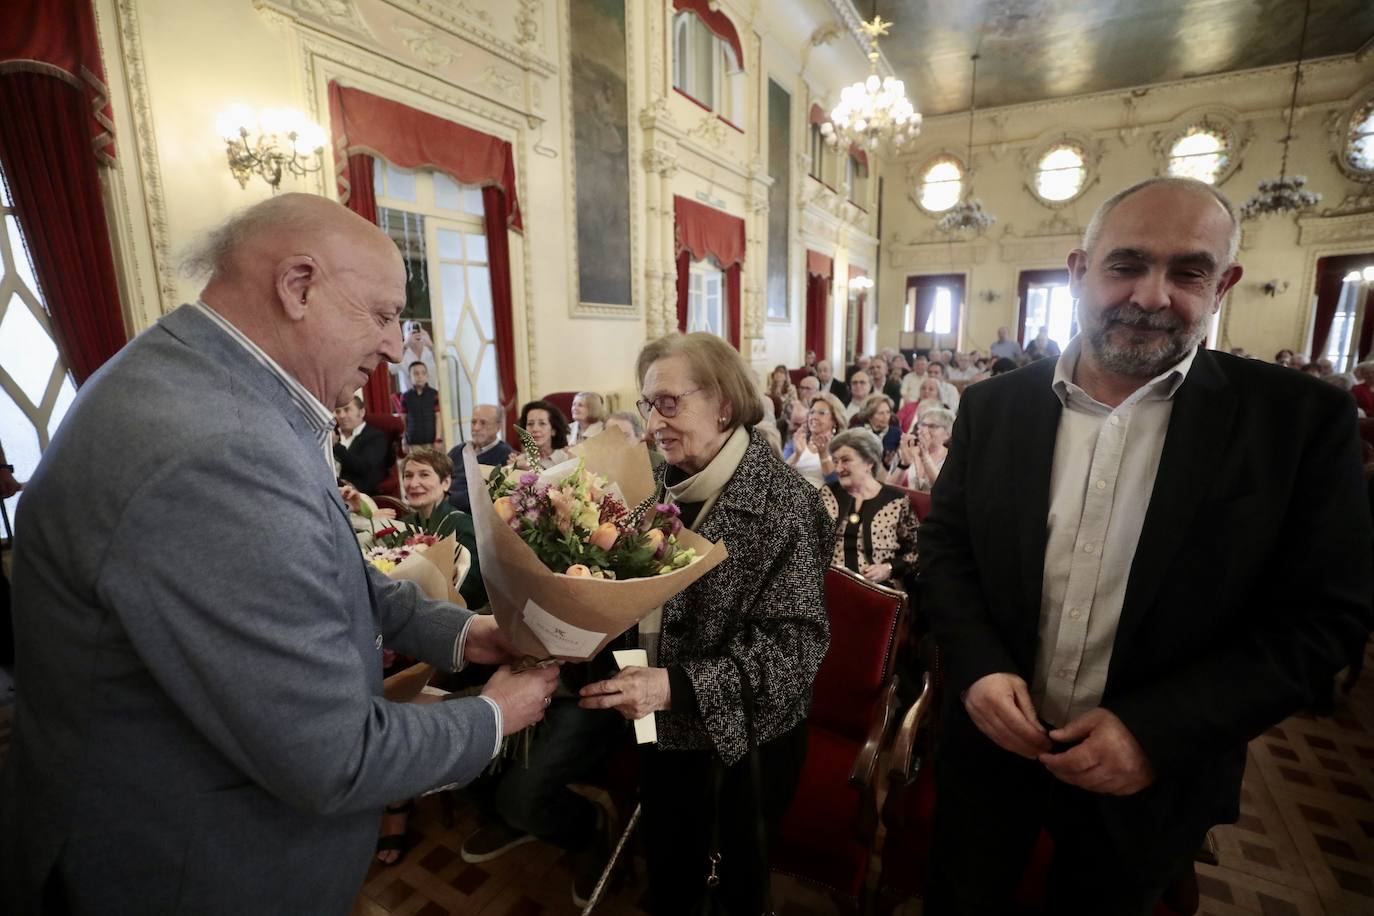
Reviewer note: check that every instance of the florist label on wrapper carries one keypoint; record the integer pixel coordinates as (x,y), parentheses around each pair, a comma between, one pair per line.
(567,556)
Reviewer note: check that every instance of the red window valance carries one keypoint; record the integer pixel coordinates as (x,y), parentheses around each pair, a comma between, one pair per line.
(58,38)
(856,271)
(410,138)
(859,155)
(703,231)
(818,114)
(715,20)
(819,265)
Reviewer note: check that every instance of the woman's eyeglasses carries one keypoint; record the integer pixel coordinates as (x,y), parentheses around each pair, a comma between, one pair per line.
(665,404)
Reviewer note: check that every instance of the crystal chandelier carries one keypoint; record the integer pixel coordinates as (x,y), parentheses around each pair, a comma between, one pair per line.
(1287,193)
(875,112)
(968,215)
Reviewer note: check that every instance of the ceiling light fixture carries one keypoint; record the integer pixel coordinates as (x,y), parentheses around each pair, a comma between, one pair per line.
(1287,193)
(874,113)
(968,215)
(272,143)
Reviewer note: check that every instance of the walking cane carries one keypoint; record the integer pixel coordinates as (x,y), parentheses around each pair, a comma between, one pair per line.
(600,890)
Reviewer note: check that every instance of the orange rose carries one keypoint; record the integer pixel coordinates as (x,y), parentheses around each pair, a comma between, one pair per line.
(655,538)
(505,509)
(605,536)
(579,571)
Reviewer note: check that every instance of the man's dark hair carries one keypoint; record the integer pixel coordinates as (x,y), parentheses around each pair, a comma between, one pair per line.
(559,439)
(418,362)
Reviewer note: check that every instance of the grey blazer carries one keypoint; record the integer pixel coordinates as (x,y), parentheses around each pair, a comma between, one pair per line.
(200,726)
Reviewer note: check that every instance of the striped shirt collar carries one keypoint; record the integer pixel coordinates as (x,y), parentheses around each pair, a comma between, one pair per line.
(319,419)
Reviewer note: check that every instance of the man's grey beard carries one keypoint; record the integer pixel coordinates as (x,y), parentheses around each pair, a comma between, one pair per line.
(1143,359)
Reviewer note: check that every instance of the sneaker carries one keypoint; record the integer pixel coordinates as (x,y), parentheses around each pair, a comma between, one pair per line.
(589,863)
(491,842)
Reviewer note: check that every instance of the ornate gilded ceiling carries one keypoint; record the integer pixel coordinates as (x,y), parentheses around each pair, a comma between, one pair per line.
(1042,49)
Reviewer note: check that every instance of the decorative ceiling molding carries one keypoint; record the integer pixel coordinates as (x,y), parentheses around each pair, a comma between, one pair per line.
(937,254)
(1355,227)
(852,22)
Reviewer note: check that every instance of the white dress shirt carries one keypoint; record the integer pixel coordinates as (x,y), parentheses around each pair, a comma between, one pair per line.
(1105,461)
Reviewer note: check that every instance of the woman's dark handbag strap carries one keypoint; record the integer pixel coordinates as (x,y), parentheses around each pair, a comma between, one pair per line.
(756,789)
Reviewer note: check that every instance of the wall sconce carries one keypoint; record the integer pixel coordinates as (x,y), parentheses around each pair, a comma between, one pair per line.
(860,284)
(989,296)
(273,143)
(1274,287)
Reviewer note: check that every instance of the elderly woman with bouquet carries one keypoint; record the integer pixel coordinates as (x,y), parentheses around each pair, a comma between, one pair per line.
(737,651)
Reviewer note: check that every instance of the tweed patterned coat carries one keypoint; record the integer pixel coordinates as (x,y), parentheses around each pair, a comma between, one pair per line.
(765,605)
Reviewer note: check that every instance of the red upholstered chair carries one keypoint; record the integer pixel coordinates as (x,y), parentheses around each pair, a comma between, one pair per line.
(798,374)
(828,832)
(563,401)
(395,429)
(920,503)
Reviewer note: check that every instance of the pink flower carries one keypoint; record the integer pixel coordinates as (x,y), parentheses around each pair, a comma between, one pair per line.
(562,509)
(577,570)
(605,536)
(505,510)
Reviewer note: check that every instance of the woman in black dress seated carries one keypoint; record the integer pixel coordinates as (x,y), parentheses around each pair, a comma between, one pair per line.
(875,527)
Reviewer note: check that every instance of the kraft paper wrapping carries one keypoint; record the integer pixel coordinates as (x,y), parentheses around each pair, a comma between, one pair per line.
(575,617)
(434,570)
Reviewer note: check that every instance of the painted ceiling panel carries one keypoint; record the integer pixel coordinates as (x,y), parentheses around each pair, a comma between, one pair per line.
(1041,49)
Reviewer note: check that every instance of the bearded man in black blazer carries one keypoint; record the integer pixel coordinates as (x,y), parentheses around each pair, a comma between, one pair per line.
(1140,556)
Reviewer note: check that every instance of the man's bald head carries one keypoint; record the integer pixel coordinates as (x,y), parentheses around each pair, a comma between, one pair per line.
(1166,182)
(318,287)
(486,424)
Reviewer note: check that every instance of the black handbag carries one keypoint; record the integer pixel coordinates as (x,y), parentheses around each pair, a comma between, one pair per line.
(711,903)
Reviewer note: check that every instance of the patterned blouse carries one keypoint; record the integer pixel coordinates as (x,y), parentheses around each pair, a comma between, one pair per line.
(883,530)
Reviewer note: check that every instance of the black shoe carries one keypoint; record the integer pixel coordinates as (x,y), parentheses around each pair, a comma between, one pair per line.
(396,842)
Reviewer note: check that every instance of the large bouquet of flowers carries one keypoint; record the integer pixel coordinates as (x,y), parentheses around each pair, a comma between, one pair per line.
(575,555)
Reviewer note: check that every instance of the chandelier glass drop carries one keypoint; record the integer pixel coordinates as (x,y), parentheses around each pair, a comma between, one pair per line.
(1287,193)
(874,113)
(968,215)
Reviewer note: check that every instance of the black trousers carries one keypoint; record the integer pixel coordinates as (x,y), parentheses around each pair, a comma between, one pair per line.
(679,809)
(1112,857)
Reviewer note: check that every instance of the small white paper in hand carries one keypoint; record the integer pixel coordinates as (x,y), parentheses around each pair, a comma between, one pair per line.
(646,729)
(560,638)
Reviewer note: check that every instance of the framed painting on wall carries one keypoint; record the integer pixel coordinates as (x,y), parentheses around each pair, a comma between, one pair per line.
(599,104)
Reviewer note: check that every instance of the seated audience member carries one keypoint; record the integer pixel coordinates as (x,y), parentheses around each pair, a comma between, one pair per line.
(1326,366)
(548,428)
(897,370)
(491,450)
(808,451)
(877,374)
(949,395)
(825,376)
(1284,358)
(418,346)
(768,426)
(780,385)
(912,383)
(922,453)
(793,418)
(810,363)
(860,387)
(360,451)
(421,406)
(879,418)
(808,386)
(1313,369)
(1042,347)
(1005,346)
(589,414)
(1298,360)
(875,532)
(1363,392)
(1002,365)
(963,369)
(920,366)
(928,396)
(426,475)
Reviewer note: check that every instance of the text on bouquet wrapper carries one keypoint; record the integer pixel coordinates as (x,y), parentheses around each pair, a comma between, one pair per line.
(560,637)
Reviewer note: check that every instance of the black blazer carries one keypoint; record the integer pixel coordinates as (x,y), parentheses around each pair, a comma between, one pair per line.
(365,462)
(1251,579)
(840,390)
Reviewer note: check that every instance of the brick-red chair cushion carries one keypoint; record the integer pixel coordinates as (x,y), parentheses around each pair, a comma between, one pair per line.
(920,503)
(817,841)
(863,625)
(563,401)
(798,374)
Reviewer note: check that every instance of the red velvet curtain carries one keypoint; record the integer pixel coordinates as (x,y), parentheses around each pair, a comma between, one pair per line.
(684,267)
(362,200)
(368,124)
(45,149)
(705,232)
(716,21)
(494,210)
(1330,280)
(820,271)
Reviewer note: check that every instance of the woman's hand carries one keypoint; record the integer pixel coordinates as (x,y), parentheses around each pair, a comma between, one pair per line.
(907,451)
(821,442)
(878,572)
(634,692)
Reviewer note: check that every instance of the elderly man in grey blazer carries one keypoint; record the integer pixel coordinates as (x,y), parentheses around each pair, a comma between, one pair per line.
(200,725)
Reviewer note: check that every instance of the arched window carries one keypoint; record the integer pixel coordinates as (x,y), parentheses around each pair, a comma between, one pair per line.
(941,184)
(1359,141)
(706,68)
(1061,173)
(1201,152)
